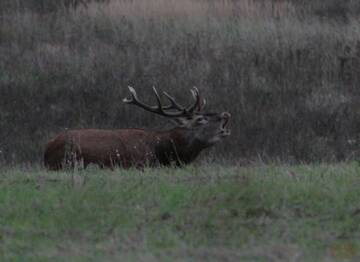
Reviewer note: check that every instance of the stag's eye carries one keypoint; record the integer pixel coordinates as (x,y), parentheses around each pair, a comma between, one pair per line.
(201,120)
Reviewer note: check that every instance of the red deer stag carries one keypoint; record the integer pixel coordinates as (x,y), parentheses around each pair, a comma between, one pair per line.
(126,148)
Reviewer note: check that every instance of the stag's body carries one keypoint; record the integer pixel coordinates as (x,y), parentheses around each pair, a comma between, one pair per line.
(126,148)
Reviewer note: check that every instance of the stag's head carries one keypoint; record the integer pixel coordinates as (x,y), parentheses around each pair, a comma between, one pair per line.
(206,128)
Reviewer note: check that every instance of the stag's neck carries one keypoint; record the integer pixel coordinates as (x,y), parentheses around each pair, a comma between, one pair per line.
(178,145)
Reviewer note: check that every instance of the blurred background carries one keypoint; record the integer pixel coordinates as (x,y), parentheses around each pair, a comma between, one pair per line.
(287,70)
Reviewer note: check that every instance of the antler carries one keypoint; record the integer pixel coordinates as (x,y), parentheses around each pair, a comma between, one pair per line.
(197,104)
(171,110)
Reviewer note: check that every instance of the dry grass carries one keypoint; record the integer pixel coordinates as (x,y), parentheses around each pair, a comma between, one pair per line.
(191,9)
(288,76)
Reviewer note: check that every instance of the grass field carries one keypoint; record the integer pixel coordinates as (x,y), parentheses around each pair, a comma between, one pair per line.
(202,213)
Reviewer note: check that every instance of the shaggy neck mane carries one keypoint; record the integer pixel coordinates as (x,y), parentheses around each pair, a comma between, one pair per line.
(177,145)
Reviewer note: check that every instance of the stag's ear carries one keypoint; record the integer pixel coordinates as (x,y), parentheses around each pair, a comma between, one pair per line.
(181,121)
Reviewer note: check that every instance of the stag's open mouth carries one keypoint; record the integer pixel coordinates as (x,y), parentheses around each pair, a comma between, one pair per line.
(224,124)
(225,120)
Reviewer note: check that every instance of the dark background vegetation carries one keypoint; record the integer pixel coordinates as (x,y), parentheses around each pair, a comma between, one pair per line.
(288,71)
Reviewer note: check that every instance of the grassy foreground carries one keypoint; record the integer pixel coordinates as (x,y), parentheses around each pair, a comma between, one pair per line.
(215,213)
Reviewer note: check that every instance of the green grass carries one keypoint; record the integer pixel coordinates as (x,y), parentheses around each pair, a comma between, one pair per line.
(210,213)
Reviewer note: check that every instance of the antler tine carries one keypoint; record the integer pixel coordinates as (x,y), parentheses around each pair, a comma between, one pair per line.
(132,92)
(203,103)
(159,109)
(174,104)
(135,101)
(197,104)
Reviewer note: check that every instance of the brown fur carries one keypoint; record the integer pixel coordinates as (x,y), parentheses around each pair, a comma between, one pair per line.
(125,148)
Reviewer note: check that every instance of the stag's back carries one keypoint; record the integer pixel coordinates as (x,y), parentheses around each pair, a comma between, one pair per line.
(103,147)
